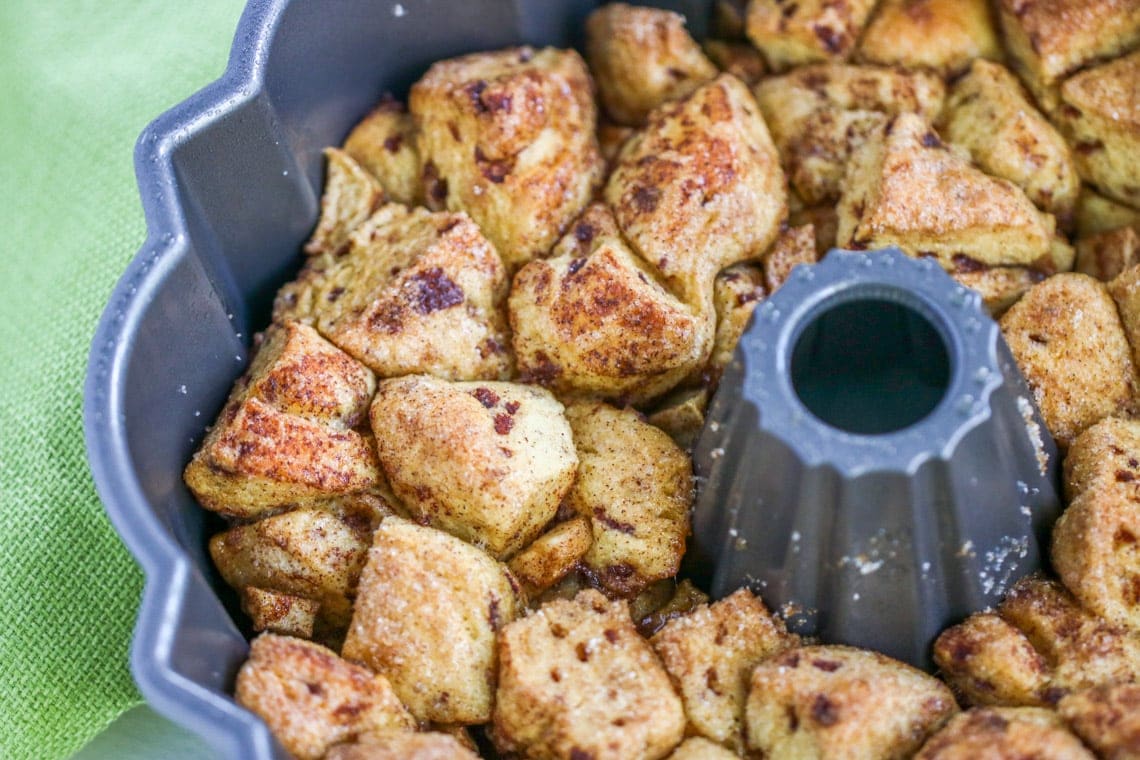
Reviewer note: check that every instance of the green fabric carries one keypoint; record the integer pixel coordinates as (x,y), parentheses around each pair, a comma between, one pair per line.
(79,79)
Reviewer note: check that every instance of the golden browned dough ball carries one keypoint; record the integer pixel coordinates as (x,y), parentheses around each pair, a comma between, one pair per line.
(990,662)
(1106,254)
(1082,649)
(1004,733)
(508,137)
(905,187)
(593,320)
(384,143)
(426,617)
(710,653)
(795,246)
(681,414)
(839,702)
(576,680)
(403,746)
(1107,718)
(416,292)
(279,612)
(1096,542)
(552,556)
(1095,213)
(736,291)
(1125,291)
(697,748)
(635,486)
(311,699)
(640,58)
(285,435)
(789,34)
(308,552)
(999,287)
(1069,344)
(820,114)
(737,58)
(941,35)
(1049,39)
(989,114)
(1100,114)
(488,462)
(700,188)
(350,196)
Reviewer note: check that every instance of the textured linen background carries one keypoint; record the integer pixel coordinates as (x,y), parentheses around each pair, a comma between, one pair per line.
(79,79)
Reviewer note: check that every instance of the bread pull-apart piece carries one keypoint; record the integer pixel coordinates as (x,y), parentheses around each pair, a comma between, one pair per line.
(640,58)
(988,661)
(431,745)
(1004,733)
(940,35)
(278,612)
(795,246)
(552,556)
(990,116)
(1105,255)
(1096,542)
(577,681)
(508,137)
(286,434)
(1049,39)
(789,34)
(308,553)
(999,287)
(311,699)
(905,187)
(700,188)
(1107,718)
(736,291)
(416,292)
(635,485)
(594,321)
(839,702)
(1069,343)
(1081,649)
(350,196)
(737,58)
(426,617)
(698,748)
(710,653)
(1095,214)
(1100,114)
(384,143)
(488,462)
(1125,291)
(820,114)
(681,414)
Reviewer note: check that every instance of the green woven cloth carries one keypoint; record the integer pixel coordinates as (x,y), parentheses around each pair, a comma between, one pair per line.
(78,81)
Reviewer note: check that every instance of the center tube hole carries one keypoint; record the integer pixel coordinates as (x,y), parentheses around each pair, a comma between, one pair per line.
(870,366)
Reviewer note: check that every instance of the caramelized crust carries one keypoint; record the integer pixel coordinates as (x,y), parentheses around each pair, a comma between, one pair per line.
(1106,254)
(990,662)
(384,143)
(1107,718)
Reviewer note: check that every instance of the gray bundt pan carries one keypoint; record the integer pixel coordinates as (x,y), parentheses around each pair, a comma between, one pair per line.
(229,181)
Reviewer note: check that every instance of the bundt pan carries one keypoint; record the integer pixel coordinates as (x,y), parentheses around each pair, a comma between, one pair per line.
(230,183)
(872,464)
